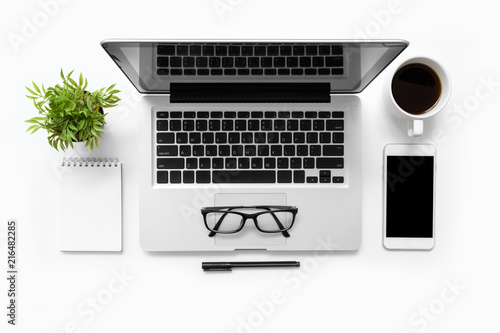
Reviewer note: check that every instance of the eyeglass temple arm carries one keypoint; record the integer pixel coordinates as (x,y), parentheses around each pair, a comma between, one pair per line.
(219,222)
(285,233)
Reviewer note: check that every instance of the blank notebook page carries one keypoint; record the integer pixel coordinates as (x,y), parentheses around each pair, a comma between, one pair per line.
(90,205)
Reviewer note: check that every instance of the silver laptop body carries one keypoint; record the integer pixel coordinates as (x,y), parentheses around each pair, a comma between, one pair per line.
(251,123)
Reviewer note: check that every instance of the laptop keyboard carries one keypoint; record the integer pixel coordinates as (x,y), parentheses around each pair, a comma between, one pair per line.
(241,147)
(243,59)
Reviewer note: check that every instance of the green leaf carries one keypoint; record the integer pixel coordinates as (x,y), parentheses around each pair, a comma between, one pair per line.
(80,81)
(31,91)
(32,127)
(62,75)
(111,87)
(36,87)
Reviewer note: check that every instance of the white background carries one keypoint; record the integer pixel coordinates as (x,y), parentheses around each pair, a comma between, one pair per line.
(371,290)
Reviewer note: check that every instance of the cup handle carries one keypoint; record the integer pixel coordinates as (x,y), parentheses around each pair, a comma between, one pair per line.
(415,127)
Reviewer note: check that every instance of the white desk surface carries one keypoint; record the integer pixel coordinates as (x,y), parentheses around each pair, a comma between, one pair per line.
(370,290)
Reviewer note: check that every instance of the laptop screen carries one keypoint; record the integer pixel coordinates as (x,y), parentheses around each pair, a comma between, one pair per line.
(155,66)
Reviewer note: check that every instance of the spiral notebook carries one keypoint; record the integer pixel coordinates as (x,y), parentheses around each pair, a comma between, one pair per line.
(90,204)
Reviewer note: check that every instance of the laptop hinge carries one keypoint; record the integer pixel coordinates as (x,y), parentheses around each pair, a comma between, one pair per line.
(250,92)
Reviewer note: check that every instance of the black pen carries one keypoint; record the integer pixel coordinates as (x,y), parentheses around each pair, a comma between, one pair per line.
(227,266)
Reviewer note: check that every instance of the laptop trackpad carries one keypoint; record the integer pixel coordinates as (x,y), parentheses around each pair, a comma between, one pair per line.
(249,236)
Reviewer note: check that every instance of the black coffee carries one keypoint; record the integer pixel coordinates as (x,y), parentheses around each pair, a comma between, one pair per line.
(416,88)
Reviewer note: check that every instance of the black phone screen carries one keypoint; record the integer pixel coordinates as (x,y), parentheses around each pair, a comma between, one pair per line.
(410,196)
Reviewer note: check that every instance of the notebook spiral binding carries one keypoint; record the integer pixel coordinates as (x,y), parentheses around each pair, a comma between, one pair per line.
(90,162)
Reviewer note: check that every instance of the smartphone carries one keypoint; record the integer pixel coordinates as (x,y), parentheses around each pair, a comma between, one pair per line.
(409,196)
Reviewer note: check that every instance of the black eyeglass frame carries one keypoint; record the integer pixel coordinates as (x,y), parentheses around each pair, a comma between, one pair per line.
(245,216)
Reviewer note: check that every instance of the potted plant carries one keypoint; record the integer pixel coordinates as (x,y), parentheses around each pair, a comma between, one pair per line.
(70,113)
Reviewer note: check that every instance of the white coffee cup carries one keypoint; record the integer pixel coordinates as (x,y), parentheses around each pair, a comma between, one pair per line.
(416,121)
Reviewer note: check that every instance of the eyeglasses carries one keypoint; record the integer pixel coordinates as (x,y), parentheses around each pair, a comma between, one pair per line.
(231,219)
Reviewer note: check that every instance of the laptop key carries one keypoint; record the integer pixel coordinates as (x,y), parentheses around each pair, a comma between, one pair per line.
(211,150)
(237,150)
(221,50)
(190,72)
(185,150)
(230,71)
(263,150)
(191,163)
(214,125)
(312,180)
(260,50)
(188,61)
(162,125)
(253,125)
(165,138)
(338,138)
(175,177)
(308,163)
(203,71)
(269,163)
(220,137)
(203,177)
(217,163)
(312,137)
(188,177)
(234,138)
(214,62)
(162,177)
(295,163)
(315,150)
(289,150)
(231,163)
(284,176)
(244,177)
(247,50)
(204,163)
(175,61)
(182,50)
(175,125)
(208,138)
(325,137)
(181,137)
(257,71)
(224,150)
(167,150)
(283,71)
(246,137)
(170,163)
(310,71)
(298,176)
(334,125)
(302,150)
(256,163)
(176,71)
(198,150)
(162,61)
(333,150)
(329,163)
(234,50)
(337,179)
(283,163)
(337,114)
(188,125)
(272,50)
(166,49)
(243,163)
(201,125)
(208,50)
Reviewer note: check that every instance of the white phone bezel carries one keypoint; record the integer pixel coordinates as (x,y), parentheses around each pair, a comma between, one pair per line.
(408,150)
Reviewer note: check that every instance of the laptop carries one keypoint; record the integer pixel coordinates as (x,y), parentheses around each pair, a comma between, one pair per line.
(252,124)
